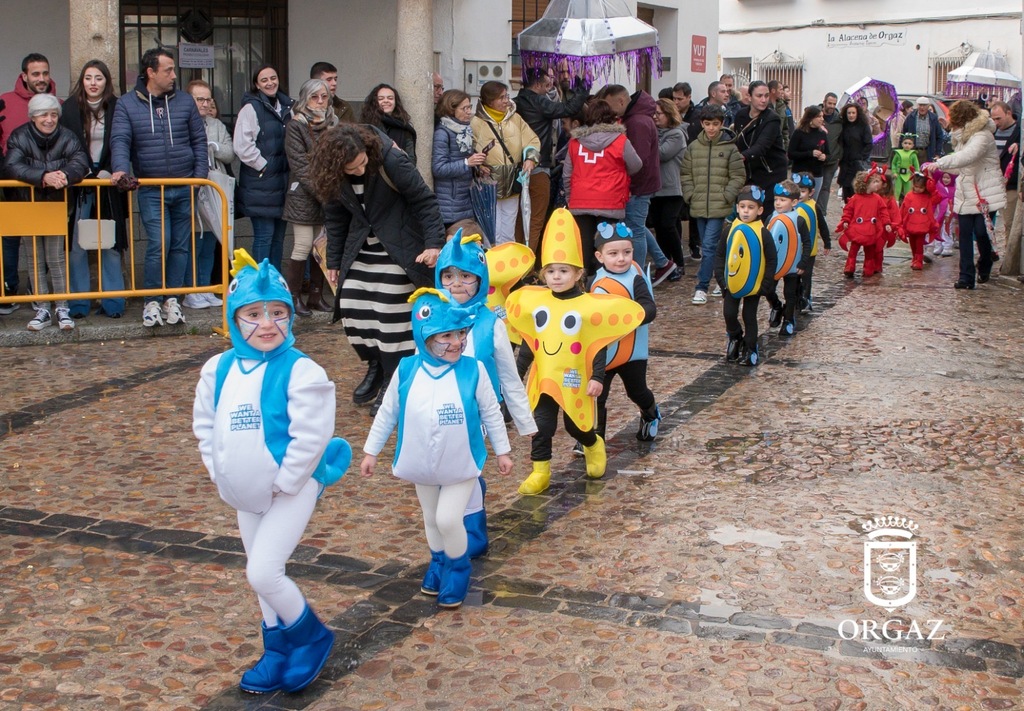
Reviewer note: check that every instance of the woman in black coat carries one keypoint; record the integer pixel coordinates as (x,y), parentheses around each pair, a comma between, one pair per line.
(808,146)
(48,157)
(384,234)
(89,113)
(855,140)
(758,131)
(383,108)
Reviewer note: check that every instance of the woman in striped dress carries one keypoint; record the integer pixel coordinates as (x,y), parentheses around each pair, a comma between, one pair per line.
(384,233)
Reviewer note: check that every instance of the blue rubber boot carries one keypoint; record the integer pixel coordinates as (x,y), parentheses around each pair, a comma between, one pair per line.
(266,675)
(432,579)
(310,645)
(476,527)
(454,581)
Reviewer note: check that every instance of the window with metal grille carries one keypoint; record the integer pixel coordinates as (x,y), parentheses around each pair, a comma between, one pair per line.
(789,74)
(941,66)
(244,33)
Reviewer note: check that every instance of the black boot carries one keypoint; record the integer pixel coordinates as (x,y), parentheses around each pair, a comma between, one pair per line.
(317,286)
(733,351)
(367,390)
(378,401)
(293,270)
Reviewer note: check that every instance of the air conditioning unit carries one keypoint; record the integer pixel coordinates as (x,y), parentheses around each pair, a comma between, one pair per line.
(478,71)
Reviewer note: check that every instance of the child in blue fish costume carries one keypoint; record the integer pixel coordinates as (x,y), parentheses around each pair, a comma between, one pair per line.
(438,399)
(264,416)
(462,270)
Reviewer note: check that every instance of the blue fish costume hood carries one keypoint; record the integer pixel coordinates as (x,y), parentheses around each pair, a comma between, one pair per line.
(467,254)
(261,283)
(435,311)
(256,283)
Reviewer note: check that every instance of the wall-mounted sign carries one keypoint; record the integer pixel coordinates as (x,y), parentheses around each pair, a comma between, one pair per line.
(866,38)
(195,56)
(699,54)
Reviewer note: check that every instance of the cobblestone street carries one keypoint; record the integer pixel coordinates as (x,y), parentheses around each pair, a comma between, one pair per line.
(711,569)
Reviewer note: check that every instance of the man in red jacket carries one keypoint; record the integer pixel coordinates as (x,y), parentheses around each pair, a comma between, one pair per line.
(34,79)
(637,114)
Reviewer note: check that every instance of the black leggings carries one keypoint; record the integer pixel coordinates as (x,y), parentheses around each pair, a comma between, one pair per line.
(588,228)
(634,379)
(546,417)
(663,218)
(731,312)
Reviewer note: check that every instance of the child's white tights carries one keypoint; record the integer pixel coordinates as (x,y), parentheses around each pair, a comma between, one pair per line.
(443,509)
(269,540)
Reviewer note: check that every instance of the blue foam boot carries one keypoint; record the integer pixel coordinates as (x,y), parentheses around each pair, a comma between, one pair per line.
(432,579)
(266,675)
(310,645)
(476,528)
(454,581)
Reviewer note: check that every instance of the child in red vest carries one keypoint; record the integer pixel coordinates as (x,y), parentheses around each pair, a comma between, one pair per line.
(919,223)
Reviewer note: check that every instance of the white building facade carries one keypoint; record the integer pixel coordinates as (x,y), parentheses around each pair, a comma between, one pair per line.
(818,46)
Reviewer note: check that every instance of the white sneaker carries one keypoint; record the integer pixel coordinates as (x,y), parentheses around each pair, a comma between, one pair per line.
(212,299)
(172,312)
(151,315)
(717,291)
(947,250)
(64,320)
(700,297)
(195,301)
(42,320)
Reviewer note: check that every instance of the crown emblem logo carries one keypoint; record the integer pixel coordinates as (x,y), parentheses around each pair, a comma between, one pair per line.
(890,561)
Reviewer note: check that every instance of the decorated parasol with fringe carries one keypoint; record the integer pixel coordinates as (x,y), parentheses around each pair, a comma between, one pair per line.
(589,37)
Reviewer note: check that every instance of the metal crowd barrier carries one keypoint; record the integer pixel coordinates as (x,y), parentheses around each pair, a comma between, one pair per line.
(39,218)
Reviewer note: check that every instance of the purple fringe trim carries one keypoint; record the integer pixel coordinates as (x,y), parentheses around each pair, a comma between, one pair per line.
(970,90)
(598,67)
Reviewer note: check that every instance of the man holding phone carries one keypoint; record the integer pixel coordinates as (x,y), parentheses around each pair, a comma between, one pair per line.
(535,105)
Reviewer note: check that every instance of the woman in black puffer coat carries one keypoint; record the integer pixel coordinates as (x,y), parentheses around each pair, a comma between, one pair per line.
(855,142)
(758,130)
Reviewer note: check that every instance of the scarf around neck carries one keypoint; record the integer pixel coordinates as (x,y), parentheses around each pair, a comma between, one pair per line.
(463,133)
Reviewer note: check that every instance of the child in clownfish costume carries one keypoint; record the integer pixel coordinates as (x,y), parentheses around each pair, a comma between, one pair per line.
(919,222)
(567,331)
(627,358)
(441,403)
(462,270)
(746,264)
(264,415)
(814,219)
(864,222)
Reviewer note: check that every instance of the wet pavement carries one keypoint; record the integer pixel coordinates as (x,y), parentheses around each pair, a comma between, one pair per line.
(712,569)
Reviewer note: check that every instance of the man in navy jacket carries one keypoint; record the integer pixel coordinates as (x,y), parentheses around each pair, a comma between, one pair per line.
(924,124)
(158,133)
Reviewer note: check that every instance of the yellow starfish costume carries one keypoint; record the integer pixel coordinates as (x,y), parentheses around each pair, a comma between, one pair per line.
(507,264)
(565,335)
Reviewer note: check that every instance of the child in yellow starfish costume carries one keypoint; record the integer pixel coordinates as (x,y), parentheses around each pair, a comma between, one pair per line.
(567,329)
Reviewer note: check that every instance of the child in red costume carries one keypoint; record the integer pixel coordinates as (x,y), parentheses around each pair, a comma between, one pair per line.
(919,223)
(864,222)
(895,219)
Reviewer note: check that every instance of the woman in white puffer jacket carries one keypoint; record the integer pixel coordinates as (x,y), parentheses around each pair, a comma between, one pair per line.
(980,187)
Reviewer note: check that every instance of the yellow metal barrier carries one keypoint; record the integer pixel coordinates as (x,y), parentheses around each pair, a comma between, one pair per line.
(38,218)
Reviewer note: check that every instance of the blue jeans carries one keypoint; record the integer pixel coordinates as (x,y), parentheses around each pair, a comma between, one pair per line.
(657,256)
(636,219)
(206,248)
(175,247)
(710,229)
(817,188)
(11,249)
(109,268)
(972,228)
(268,239)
